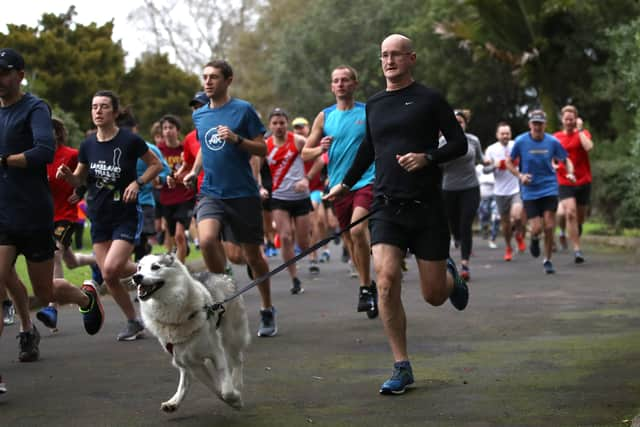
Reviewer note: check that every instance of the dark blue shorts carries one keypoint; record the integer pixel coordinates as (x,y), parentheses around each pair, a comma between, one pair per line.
(537,207)
(36,246)
(421,228)
(124,227)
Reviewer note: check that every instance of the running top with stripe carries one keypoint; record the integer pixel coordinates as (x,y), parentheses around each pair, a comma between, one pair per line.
(287,168)
(404,121)
(347,127)
(227,171)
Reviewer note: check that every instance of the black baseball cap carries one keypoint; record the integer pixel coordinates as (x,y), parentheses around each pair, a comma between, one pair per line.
(538,116)
(278,112)
(199,98)
(10,59)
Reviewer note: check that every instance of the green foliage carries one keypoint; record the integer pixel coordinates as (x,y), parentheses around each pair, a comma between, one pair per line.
(154,87)
(616,191)
(67,62)
(75,134)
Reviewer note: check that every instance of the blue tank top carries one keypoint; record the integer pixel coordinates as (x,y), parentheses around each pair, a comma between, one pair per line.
(348,129)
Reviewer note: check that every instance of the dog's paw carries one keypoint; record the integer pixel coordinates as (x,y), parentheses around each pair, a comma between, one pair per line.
(233,399)
(169,406)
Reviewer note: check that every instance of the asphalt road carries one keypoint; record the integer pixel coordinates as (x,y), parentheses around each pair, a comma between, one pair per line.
(530,350)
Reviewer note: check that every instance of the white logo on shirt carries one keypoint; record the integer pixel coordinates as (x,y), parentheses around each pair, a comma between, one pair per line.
(408,103)
(212,140)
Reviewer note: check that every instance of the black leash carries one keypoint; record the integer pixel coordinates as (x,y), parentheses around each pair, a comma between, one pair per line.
(219,305)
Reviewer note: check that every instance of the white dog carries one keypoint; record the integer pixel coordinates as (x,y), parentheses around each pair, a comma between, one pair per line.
(205,344)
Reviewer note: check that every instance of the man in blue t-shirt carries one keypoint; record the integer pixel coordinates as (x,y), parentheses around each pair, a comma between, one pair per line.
(537,152)
(339,131)
(26,207)
(230,133)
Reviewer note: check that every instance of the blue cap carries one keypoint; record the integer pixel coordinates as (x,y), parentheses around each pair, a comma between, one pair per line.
(199,98)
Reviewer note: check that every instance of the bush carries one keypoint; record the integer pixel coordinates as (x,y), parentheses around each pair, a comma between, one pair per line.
(616,191)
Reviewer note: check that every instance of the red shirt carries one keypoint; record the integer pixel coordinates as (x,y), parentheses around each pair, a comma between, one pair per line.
(316,182)
(578,156)
(180,193)
(191,147)
(61,189)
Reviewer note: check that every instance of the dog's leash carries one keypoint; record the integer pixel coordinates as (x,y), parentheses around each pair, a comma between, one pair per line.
(213,308)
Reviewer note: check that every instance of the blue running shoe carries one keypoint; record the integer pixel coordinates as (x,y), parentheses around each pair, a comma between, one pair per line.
(93,315)
(548,267)
(460,295)
(297,250)
(268,325)
(401,378)
(48,316)
(534,247)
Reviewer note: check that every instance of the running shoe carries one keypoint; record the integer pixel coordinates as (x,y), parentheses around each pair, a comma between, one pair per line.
(460,294)
(48,316)
(401,378)
(313,267)
(465,273)
(522,246)
(3,386)
(297,287)
(492,245)
(345,255)
(268,326)
(326,256)
(132,331)
(368,300)
(578,257)
(534,247)
(29,341)
(548,267)
(8,312)
(93,315)
(508,254)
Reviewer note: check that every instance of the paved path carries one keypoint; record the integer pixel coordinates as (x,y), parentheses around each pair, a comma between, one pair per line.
(530,350)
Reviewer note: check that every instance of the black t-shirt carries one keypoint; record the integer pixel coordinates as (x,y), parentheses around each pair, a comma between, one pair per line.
(112,167)
(404,121)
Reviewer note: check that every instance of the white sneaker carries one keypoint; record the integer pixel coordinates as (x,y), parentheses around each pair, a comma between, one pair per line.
(492,244)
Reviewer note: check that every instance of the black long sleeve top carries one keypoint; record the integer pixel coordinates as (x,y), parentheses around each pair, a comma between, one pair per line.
(404,121)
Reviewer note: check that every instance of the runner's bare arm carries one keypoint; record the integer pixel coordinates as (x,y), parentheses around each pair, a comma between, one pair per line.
(312,147)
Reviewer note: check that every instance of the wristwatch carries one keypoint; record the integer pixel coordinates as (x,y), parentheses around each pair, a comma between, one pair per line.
(140,182)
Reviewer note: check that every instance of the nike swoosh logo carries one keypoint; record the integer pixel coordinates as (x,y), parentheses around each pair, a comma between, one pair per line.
(408,103)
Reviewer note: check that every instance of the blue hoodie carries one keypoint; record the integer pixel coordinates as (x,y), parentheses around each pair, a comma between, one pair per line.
(25,198)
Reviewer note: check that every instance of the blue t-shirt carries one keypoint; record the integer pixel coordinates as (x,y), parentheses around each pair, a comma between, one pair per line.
(145,196)
(25,197)
(348,129)
(112,167)
(535,159)
(227,172)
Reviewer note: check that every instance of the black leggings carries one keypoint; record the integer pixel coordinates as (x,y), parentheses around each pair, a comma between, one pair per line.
(461,207)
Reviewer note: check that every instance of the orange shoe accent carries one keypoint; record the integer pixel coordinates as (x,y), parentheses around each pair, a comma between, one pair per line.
(508,254)
(522,246)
